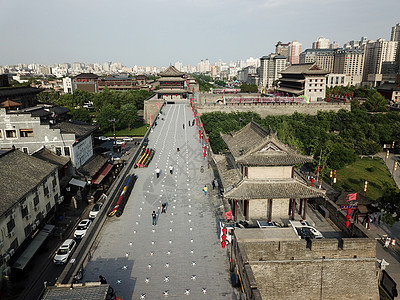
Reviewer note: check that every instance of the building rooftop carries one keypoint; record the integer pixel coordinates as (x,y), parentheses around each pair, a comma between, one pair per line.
(253,145)
(86,76)
(19,174)
(305,69)
(51,157)
(78,292)
(171,72)
(80,129)
(91,167)
(18,91)
(272,189)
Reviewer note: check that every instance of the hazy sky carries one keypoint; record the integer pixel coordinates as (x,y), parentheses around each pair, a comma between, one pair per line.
(160,32)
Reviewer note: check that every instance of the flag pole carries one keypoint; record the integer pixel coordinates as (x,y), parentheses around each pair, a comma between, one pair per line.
(318,169)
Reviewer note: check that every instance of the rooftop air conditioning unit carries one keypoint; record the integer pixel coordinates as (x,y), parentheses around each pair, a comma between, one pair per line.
(23,205)
(11,252)
(11,233)
(37,222)
(44,213)
(28,216)
(6,257)
(36,207)
(60,200)
(12,216)
(33,226)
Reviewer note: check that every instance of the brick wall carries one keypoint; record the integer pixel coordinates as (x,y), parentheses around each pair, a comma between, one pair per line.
(329,269)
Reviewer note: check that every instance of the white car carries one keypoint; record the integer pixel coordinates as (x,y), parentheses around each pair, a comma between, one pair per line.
(64,252)
(82,228)
(128,139)
(95,210)
(103,138)
(120,142)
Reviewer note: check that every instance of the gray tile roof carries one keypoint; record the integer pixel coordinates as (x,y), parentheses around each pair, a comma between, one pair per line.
(308,69)
(51,157)
(227,170)
(255,146)
(171,72)
(19,174)
(77,292)
(18,91)
(93,165)
(80,129)
(272,189)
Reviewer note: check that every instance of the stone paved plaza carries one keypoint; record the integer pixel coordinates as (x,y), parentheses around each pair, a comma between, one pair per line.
(181,257)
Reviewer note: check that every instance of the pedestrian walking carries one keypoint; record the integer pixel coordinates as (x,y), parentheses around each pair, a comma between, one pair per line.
(154,217)
(379,219)
(183,126)
(177,150)
(393,242)
(374,220)
(158,172)
(213,183)
(193,123)
(387,242)
(164,207)
(189,123)
(171,169)
(205,189)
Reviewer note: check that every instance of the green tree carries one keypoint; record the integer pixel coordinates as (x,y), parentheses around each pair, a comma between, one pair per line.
(390,204)
(248,88)
(107,113)
(128,115)
(81,114)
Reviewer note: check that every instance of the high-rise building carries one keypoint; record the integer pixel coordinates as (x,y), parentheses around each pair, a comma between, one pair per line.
(395,36)
(294,52)
(178,66)
(375,54)
(270,69)
(334,45)
(349,61)
(321,43)
(324,58)
(282,49)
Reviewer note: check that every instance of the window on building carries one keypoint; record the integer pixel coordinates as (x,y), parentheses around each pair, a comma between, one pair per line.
(26,132)
(1,134)
(66,151)
(56,198)
(54,183)
(58,151)
(48,207)
(11,133)
(28,230)
(25,150)
(36,201)
(46,190)
(342,80)
(337,80)
(10,225)
(24,211)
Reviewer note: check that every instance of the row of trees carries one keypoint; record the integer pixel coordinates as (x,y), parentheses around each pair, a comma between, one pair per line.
(107,105)
(338,137)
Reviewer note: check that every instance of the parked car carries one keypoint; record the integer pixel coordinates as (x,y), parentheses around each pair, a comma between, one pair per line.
(303,228)
(127,139)
(64,252)
(120,142)
(82,228)
(103,138)
(95,210)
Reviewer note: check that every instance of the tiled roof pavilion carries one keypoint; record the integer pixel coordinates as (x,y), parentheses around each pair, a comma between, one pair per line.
(255,146)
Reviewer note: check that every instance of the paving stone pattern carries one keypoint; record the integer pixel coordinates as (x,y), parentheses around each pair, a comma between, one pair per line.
(180,257)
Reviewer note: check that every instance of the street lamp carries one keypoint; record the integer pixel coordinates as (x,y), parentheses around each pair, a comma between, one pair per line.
(113,121)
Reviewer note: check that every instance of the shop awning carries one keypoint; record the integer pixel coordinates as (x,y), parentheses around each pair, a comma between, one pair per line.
(77,182)
(33,247)
(107,168)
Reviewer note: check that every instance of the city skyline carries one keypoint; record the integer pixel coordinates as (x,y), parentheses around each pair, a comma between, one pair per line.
(160,33)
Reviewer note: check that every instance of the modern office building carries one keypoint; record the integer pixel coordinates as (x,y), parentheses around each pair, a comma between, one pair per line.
(294,52)
(321,43)
(349,62)
(270,69)
(324,58)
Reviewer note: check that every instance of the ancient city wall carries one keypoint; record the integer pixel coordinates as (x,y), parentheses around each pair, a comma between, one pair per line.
(274,109)
(329,269)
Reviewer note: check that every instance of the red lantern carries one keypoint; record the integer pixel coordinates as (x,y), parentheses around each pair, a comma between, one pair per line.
(224,230)
(348,217)
(223,244)
(347,224)
(223,237)
(349,211)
